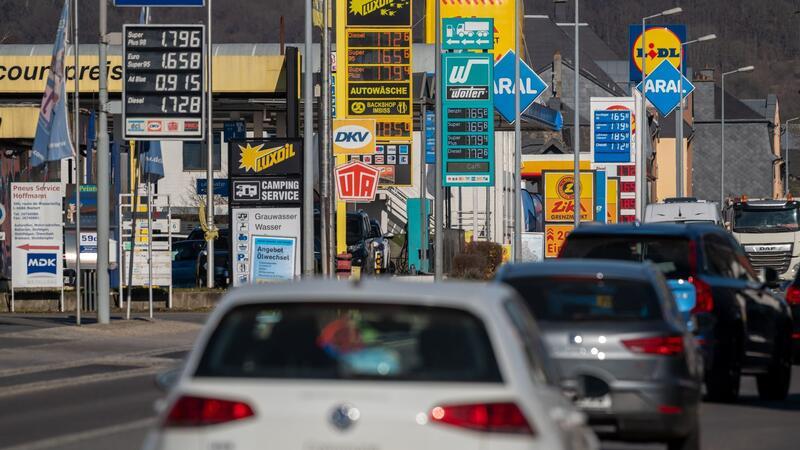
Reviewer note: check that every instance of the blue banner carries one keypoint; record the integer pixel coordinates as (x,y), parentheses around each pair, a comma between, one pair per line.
(52,141)
(153,162)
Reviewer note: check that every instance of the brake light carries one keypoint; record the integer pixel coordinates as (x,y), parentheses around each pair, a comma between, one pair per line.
(793,295)
(189,411)
(484,417)
(704,300)
(659,345)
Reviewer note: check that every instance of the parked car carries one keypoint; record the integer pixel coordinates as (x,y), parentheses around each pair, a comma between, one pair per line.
(742,326)
(683,210)
(622,347)
(389,365)
(380,248)
(189,263)
(793,300)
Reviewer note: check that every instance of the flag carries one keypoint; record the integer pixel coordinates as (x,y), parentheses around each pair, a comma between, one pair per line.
(153,163)
(52,141)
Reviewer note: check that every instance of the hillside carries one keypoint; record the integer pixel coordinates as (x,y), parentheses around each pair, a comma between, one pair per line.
(764,34)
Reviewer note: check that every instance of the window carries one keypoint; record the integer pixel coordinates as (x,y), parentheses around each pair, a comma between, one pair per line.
(583,298)
(542,370)
(669,254)
(195,155)
(719,257)
(187,250)
(765,220)
(350,341)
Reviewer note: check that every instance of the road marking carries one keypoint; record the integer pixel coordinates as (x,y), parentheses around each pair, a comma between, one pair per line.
(65,439)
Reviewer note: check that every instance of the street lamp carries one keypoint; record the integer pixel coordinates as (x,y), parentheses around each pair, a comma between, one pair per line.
(786,161)
(722,155)
(642,166)
(679,120)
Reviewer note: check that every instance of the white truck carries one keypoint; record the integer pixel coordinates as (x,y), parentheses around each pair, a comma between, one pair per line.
(769,231)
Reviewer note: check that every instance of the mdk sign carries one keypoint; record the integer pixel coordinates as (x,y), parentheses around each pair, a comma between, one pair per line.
(357,182)
(353,136)
(559,196)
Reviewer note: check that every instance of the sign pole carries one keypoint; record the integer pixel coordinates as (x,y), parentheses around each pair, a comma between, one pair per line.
(679,135)
(576,208)
(325,115)
(78,164)
(103,181)
(308,146)
(423,198)
(517,244)
(641,123)
(150,246)
(210,167)
(438,251)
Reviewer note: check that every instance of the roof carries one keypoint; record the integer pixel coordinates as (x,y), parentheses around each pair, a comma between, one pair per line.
(680,211)
(647,229)
(667,127)
(735,109)
(473,296)
(590,41)
(591,267)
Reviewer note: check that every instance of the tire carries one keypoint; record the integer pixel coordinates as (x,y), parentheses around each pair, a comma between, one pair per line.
(774,385)
(688,442)
(724,377)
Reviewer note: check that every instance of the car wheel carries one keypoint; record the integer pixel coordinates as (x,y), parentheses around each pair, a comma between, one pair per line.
(689,442)
(774,385)
(724,377)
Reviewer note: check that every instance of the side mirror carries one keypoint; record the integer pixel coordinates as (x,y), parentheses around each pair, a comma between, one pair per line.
(167,380)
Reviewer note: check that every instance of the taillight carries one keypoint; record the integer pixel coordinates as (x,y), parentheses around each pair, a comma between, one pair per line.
(189,411)
(793,295)
(485,417)
(704,300)
(659,345)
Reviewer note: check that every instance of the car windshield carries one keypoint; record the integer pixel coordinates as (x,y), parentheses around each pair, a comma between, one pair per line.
(355,231)
(573,298)
(341,341)
(762,220)
(669,254)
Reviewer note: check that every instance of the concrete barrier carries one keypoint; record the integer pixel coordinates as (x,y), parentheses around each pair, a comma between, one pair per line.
(47,301)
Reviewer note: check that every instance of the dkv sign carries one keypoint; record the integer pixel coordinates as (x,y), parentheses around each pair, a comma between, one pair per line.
(357,182)
(353,136)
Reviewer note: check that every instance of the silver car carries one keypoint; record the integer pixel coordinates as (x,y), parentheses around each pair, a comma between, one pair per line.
(623,348)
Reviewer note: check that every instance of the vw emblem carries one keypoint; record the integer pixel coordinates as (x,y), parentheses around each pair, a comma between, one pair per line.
(344,416)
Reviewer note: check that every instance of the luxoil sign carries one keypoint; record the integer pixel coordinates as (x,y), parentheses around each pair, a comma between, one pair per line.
(266,158)
(379,13)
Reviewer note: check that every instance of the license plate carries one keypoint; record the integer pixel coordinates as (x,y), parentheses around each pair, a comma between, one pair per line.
(603,402)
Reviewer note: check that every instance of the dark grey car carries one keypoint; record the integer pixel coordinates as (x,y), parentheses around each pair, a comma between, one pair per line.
(623,351)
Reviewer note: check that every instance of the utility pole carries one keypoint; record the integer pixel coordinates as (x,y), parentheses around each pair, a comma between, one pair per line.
(308,147)
(325,153)
(211,233)
(103,175)
(576,210)
(438,251)
(517,243)
(76,105)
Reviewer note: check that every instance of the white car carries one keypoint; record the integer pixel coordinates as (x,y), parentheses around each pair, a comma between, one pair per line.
(369,365)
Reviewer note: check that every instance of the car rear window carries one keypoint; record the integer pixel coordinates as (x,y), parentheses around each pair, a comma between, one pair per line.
(668,254)
(356,341)
(587,298)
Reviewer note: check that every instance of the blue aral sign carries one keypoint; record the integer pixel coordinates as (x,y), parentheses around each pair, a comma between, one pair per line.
(661,88)
(531,86)
(468,120)
(461,33)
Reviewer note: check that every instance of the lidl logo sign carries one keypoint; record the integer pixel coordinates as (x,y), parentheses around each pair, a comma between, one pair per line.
(663,43)
(353,136)
(42,263)
(662,88)
(469,77)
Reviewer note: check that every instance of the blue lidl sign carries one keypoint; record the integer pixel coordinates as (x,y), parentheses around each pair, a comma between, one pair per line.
(661,88)
(531,86)
(468,120)
(460,33)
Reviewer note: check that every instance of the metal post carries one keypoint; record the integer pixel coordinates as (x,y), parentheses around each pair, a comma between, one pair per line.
(325,153)
(517,243)
(423,198)
(487,216)
(641,124)
(679,135)
(150,245)
(120,252)
(210,167)
(722,151)
(169,237)
(576,211)
(308,146)
(78,166)
(438,251)
(103,178)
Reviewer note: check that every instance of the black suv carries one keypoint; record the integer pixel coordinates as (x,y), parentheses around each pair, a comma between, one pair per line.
(742,326)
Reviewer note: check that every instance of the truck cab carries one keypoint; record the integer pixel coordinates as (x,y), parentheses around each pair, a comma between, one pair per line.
(769,231)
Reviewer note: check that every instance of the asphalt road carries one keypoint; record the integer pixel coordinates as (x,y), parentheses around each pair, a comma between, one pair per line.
(113,399)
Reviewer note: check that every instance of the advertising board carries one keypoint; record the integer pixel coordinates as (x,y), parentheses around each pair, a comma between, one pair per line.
(663,43)
(554,237)
(248,223)
(559,196)
(273,259)
(36,235)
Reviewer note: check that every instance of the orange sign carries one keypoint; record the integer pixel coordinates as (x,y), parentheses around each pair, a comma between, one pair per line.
(559,196)
(612,200)
(554,237)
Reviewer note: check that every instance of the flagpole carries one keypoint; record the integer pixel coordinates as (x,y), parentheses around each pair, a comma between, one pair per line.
(78,164)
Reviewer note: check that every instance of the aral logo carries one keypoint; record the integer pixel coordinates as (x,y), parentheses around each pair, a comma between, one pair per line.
(258,159)
(42,263)
(353,136)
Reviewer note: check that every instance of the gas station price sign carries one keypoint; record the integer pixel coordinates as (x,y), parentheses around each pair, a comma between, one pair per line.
(163,82)
(612,136)
(468,135)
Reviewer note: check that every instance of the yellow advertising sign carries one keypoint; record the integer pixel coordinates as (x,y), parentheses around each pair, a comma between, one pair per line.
(353,136)
(612,200)
(20,74)
(559,196)
(663,45)
(502,11)
(554,237)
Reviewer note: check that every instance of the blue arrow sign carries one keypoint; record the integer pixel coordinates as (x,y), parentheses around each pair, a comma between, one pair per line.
(531,86)
(662,88)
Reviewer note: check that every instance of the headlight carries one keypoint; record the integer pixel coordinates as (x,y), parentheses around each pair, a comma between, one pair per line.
(376,244)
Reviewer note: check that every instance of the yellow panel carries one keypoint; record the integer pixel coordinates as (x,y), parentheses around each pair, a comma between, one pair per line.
(531,168)
(554,237)
(502,11)
(18,122)
(559,196)
(232,73)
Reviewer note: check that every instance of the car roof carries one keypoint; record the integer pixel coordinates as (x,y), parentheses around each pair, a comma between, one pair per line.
(591,267)
(466,295)
(681,211)
(648,229)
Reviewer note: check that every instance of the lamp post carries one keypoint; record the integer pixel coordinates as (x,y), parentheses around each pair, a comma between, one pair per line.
(641,169)
(722,151)
(576,185)
(679,121)
(786,161)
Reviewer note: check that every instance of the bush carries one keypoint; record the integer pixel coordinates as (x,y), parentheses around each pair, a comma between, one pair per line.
(479,261)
